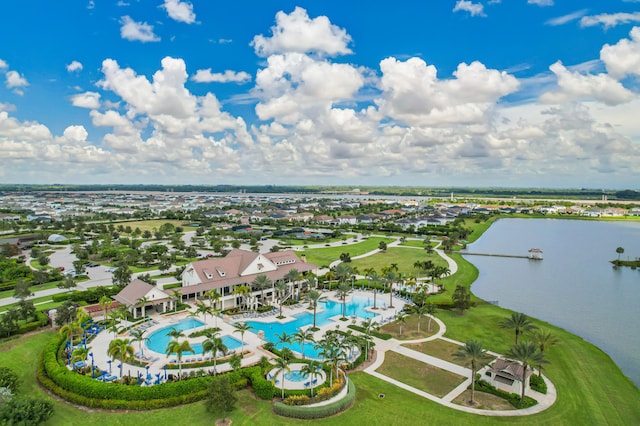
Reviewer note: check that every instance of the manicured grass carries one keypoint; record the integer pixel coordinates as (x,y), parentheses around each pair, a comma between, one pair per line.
(324,256)
(442,349)
(413,243)
(418,374)
(483,401)
(33,288)
(403,257)
(149,225)
(614,404)
(410,328)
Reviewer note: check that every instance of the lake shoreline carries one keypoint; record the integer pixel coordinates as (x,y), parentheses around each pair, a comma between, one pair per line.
(488,285)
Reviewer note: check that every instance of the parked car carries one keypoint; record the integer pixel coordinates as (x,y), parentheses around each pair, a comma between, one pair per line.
(61,268)
(92,265)
(111,269)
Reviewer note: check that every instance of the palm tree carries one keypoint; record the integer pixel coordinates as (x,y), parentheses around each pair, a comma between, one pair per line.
(302,336)
(174,346)
(121,349)
(312,281)
(313,297)
(374,279)
(389,278)
(70,331)
(142,303)
(235,361)
(528,354)
(325,350)
(619,250)
(293,276)
(420,310)
(282,365)
(518,322)
(471,353)
(401,317)
(79,354)
(262,282)
(105,303)
(367,324)
(544,339)
(242,328)
(137,335)
(311,370)
(202,309)
(343,291)
(214,345)
(343,272)
(284,339)
(213,295)
(281,289)
(431,310)
(178,298)
(174,333)
(242,291)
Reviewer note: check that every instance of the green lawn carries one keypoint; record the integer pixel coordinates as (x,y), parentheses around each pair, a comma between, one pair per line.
(420,375)
(443,350)
(33,288)
(591,388)
(403,257)
(410,327)
(413,243)
(613,401)
(324,256)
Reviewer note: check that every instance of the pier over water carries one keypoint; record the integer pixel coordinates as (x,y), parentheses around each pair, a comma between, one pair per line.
(534,254)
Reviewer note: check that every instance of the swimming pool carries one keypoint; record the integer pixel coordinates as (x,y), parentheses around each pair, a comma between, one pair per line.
(330,309)
(159,339)
(295,376)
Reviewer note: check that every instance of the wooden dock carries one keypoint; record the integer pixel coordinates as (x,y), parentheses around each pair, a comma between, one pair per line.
(534,254)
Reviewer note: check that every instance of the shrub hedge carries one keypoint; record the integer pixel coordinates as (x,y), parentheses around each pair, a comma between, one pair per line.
(538,384)
(79,389)
(513,398)
(308,413)
(383,336)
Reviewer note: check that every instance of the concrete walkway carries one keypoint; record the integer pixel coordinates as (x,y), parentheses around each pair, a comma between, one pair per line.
(382,346)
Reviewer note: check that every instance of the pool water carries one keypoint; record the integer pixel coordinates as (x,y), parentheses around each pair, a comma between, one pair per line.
(330,309)
(295,376)
(159,339)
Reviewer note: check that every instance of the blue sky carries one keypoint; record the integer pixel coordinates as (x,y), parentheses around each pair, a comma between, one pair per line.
(535,93)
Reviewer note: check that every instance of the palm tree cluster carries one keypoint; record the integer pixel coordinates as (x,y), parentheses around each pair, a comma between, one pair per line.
(530,352)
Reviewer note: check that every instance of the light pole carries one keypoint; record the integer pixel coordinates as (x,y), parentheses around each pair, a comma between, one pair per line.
(165,371)
(109,362)
(92,371)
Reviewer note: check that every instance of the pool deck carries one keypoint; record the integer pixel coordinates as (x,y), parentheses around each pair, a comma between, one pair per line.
(252,343)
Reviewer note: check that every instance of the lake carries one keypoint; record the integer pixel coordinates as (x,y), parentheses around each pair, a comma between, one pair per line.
(574,287)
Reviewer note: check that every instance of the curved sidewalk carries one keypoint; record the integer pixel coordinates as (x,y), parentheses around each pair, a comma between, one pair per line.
(382,346)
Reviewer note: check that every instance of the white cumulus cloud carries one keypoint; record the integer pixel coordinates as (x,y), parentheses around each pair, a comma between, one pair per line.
(573,85)
(474,9)
(297,32)
(541,2)
(623,58)
(180,11)
(3,64)
(137,31)
(89,100)
(229,76)
(609,20)
(74,66)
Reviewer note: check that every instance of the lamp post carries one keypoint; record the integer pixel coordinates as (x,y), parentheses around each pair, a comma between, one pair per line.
(147,367)
(109,362)
(165,371)
(92,373)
